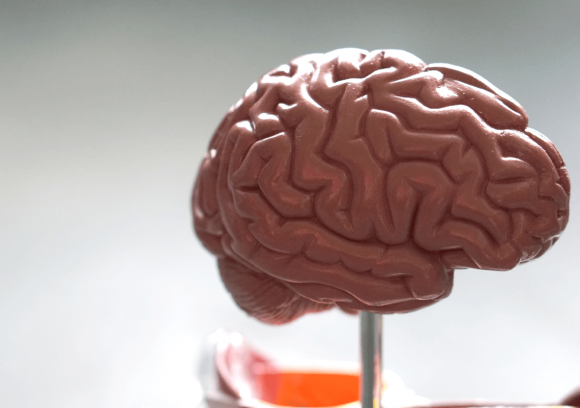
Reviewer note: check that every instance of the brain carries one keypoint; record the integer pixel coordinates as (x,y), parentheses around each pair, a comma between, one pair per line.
(362,180)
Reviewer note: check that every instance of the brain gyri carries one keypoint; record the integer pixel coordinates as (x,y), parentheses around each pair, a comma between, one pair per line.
(364,179)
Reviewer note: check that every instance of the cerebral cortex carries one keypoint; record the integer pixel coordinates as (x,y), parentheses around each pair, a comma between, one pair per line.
(362,180)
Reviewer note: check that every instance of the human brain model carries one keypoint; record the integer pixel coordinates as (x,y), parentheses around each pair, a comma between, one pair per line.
(364,179)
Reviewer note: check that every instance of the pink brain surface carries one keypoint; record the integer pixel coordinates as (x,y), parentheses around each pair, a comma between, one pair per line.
(364,179)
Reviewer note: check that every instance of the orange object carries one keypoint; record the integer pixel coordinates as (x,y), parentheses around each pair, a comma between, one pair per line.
(307,389)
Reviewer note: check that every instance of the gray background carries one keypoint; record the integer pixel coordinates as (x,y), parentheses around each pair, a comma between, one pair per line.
(106,108)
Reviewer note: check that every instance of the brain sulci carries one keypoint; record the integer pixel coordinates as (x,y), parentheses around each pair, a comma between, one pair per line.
(362,180)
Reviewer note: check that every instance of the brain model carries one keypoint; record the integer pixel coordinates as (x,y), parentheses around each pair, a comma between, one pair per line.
(364,179)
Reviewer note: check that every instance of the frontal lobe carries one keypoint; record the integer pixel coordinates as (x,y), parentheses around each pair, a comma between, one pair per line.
(364,179)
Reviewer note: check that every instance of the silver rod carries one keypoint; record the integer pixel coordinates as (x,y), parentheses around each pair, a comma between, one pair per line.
(371,365)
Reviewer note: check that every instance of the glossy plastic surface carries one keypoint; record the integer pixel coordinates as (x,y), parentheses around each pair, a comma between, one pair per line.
(364,179)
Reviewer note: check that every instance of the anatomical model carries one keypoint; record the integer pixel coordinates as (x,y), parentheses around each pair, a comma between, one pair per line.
(363,180)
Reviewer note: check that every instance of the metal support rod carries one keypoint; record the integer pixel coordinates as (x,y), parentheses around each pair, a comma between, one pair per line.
(371,365)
